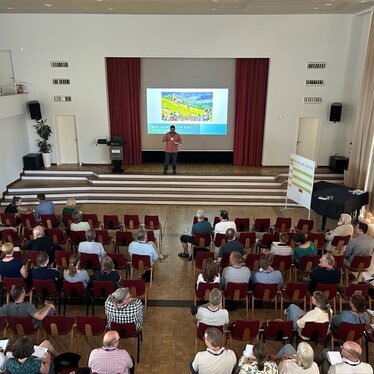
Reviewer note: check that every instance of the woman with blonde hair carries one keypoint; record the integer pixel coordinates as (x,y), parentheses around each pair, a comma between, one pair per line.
(70,207)
(107,272)
(11,267)
(74,273)
(210,273)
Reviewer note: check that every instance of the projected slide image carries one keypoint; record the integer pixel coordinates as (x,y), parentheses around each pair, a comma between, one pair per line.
(187,106)
(192,111)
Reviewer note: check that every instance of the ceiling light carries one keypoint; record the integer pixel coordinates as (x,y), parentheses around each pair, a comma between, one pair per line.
(215,1)
(363,1)
(9,8)
(328,4)
(48,5)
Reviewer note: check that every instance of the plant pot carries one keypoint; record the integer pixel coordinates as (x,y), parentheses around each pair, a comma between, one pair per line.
(46,159)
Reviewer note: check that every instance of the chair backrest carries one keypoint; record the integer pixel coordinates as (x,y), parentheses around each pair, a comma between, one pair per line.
(58,325)
(21,325)
(123,238)
(151,236)
(45,287)
(62,259)
(119,260)
(340,241)
(32,255)
(90,326)
(220,239)
(245,330)
(330,290)
(252,261)
(350,331)
(358,288)
(137,287)
(89,260)
(296,291)
(265,292)
(92,219)
(318,238)
(236,291)
(202,240)
(111,222)
(28,220)
(49,220)
(339,261)
(225,261)
(262,224)
(248,239)
(10,282)
(10,236)
(28,234)
(140,262)
(267,239)
(75,289)
(200,331)
(8,219)
(57,236)
(201,256)
(307,263)
(242,224)
(131,221)
(278,330)
(305,225)
(152,222)
(283,224)
(67,221)
(102,288)
(282,263)
(125,330)
(77,236)
(204,289)
(215,220)
(315,331)
(360,262)
(102,236)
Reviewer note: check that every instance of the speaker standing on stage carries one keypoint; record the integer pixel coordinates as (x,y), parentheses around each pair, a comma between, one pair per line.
(172,140)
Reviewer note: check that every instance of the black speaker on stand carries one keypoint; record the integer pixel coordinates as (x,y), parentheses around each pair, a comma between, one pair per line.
(34,109)
(335,112)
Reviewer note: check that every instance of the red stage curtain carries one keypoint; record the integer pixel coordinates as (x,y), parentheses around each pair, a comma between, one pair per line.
(250,94)
(123,79)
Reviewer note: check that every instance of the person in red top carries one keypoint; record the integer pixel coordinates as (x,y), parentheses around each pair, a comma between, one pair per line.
(172,140)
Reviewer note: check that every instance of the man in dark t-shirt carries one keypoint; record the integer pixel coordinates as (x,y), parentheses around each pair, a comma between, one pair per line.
(200,227)
(231,245)
(43,272)
(326,272)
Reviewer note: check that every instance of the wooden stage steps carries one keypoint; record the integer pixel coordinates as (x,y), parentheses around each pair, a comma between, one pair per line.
(88,186)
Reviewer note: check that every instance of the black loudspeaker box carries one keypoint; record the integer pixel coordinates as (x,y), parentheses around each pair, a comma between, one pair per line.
(34,109)
(336,112)
(33,161)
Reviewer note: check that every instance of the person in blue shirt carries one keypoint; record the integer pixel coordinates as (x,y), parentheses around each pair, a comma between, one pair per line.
(44,207)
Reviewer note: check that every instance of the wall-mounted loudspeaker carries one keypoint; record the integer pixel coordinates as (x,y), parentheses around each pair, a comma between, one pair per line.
(34,109)
(336,112)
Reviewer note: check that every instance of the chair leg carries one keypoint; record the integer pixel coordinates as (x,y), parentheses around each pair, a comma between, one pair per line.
(138,351)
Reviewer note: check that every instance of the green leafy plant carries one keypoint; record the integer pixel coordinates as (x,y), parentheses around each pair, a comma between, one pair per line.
(44,131)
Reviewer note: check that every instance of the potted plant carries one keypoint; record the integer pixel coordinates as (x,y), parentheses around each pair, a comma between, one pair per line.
(44,131)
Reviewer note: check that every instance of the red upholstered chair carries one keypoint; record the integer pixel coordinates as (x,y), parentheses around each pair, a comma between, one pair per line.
(314,331)
(203,291)
(62,259)
(75,238)
(277,330)
(138,288)
(200,332)
(27,234)
(236,292)
(128,331)
(49,221)
(66,222)
(267,240)
(58,326)
(304,226)
(142,263)
(199,259)
(294,293)
(9,219)
(9,283)
(153,223)
(283,264)
(306,264)
(100,291)
(339,243)
(348,331)
(28,220)
(120,262)
(248,239)
(32,255)
(22,326)
(220,240)
(358,265)
(76,291)
(330,290)
(215,220)
(92,219)
(244,330)
(265,292)
(252,261)
(47,289)
(89,261)
(57,236)
(123,239)
(131,222)
(354,288)
(282,224)
(242,224)
(11,236)
(200,241)
(102,236)
(318,238)
(225,261)
(261,225)
(3,324)
(89,326)
(111,222)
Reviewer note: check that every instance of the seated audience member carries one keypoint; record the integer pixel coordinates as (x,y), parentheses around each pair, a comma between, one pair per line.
(370,224)
(200,227)
(77,223)
(43,272)
(321,313)
(210,273)
(11,267)
(356,314)
(280,248)
(216,359)
(266,274)
(326,272)
(237,272)
(258,363)
(344,228)
(121,307)
(70,207)
(224,224)
(141,246)
(351,353)
(212,313)
(45,206)
(109,358)
(297,362)
(231,245)
(21,308)
(16,208)
(74,273)
(90,246)
(303,247)
(22,360)
(361,245)
(107,272)
(40,242)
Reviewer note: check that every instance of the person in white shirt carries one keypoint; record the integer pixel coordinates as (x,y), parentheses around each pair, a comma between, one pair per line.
(237,272)
(90,246)
(344,228)
(212,313)
(210,273)
(222,226)
(280,248)
(78,224)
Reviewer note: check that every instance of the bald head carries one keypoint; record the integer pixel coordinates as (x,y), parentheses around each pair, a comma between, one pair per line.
(351,350)
(110,339)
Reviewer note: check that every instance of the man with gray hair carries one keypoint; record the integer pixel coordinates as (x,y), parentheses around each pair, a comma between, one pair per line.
(326,272)
(202,226)
(121,307)
(109,359)
(344,228)
(216,359)
(212,313)
(90,246)
(141,246)
(237,272)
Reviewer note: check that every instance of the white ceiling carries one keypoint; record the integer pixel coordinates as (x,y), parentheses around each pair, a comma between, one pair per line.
(204,7)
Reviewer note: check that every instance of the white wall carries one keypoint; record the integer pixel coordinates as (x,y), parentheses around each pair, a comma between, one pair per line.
(289,41)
